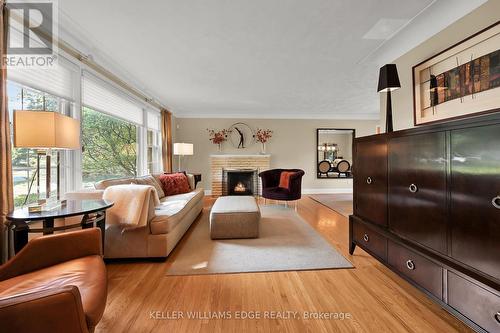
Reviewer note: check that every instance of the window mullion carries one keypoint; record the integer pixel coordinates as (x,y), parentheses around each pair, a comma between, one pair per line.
(142,148)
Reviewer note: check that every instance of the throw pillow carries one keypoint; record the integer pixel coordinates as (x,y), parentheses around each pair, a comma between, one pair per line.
(149,180)
(174,183)
(285,179)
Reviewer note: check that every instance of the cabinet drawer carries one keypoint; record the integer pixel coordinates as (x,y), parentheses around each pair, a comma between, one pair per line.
(474,302)
(370,240)
(422,271)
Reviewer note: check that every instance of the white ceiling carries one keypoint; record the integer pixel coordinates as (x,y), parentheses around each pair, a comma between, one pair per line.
(241,58)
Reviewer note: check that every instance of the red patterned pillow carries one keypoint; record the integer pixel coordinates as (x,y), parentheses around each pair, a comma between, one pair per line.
(174,183)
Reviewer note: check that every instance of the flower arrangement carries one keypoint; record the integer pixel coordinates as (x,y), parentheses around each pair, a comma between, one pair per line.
(218,137)
(263,135)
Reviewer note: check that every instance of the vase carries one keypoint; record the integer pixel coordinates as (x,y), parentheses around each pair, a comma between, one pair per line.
(219,147)
(263,148)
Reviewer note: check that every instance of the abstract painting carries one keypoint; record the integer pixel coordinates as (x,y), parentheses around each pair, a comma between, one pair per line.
(460,81)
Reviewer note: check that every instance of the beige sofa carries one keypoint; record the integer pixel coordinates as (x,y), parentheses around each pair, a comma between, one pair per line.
(167,222)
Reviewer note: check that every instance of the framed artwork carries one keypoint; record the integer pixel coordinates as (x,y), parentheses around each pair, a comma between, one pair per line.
(241,135)
(461,81)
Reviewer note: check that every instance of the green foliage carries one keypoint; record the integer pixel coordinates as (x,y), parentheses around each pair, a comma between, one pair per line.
(109,147)
(19,200)
(20,157)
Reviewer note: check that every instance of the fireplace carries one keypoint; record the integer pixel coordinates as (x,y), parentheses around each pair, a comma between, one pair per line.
(239,182)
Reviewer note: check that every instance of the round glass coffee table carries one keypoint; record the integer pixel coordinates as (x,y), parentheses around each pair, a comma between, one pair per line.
(93,211)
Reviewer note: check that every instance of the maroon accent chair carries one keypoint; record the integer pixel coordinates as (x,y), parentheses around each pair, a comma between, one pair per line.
(271,181)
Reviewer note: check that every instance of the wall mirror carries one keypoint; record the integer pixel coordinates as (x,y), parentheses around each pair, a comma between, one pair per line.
(334,153)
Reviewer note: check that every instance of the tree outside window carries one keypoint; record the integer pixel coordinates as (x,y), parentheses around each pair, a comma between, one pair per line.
(109,147)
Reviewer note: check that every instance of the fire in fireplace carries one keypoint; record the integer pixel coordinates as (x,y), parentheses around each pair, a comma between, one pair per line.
(239,182)
(240,187)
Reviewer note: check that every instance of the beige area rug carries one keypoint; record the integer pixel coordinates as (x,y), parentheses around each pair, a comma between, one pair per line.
(286,243)
(341,203)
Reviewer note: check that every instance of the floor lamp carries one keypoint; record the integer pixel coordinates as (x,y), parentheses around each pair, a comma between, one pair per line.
(183,149)
(388,81)
(44,131)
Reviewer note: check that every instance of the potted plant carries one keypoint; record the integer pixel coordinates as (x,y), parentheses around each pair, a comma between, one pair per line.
(263,135)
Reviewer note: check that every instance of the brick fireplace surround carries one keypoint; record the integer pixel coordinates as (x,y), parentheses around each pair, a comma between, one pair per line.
(221,161)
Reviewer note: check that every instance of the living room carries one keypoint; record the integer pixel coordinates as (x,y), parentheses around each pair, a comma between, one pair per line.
(287,166)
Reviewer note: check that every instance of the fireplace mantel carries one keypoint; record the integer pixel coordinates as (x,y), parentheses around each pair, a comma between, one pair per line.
(219,162)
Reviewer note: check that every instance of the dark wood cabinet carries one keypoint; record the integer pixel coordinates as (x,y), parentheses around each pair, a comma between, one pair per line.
(433,214)
(417,188)
(370,167)
(475,186)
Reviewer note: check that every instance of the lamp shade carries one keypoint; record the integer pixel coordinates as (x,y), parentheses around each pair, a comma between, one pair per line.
(183,149)
(388,78)
(45,129)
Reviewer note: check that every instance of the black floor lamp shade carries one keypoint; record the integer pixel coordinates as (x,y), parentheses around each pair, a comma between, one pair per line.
(388,80)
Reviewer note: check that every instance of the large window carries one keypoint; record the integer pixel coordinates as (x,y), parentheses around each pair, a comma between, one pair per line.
(25,160)
(109,147)
(120,134)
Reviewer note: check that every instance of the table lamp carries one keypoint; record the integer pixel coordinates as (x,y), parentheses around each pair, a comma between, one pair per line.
(183,149)
(44,131)
(388,81)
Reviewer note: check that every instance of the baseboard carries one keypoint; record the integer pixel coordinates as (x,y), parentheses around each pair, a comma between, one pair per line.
(326,190)
(313,191)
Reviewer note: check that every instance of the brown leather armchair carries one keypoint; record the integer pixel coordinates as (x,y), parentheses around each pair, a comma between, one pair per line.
(55,284)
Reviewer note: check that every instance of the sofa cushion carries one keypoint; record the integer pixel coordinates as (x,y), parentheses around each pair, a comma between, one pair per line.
(151,181)
(172,209)
(174,183)
(88,274)
(103,184)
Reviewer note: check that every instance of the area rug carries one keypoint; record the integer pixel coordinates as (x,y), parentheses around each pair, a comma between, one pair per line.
(286,243)
(341,203)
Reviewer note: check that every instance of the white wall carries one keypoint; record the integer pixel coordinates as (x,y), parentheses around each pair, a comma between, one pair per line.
(402,99)
(293,145)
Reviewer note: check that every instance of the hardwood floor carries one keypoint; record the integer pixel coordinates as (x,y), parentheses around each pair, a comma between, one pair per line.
(141,296)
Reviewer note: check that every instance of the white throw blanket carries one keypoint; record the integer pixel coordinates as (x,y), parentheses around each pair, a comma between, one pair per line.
(131,204)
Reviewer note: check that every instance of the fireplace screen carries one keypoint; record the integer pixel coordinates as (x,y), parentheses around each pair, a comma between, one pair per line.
(239,182)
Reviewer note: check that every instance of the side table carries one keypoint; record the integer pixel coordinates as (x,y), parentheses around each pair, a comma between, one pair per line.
(93,211)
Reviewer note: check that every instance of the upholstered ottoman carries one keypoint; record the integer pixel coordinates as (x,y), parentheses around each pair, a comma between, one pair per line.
(234,217)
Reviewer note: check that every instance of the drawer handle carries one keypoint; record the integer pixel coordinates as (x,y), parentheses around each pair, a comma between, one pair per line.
(496,202)
(410,265)
(413,188)
(366,238)
(369,180)
(497,317)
